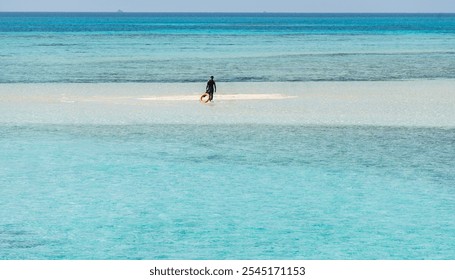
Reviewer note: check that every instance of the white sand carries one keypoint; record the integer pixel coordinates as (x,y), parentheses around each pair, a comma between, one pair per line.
(222,97)
(398,103)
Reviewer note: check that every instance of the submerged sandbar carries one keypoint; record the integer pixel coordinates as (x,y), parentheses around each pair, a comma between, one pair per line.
(390,103)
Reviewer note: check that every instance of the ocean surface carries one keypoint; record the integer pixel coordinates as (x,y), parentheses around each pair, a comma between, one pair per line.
(226,192)
(124,47)
(92,169)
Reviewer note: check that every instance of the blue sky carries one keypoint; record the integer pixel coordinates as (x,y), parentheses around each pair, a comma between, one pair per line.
(231,5)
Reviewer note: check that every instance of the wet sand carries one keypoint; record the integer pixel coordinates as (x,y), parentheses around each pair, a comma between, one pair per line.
(396,103)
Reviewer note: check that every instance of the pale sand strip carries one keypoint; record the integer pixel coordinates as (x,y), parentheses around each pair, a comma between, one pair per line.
(391,103)
(223,97)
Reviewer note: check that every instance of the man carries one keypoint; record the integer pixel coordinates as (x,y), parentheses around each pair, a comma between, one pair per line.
(211,87)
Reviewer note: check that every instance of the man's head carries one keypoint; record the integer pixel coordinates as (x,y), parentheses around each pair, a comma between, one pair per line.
(211,77)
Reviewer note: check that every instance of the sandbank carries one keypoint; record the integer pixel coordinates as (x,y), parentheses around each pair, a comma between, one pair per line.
(392,103)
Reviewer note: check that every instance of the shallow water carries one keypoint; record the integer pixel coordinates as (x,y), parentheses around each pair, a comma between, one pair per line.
(226,192)
(354,160)
(386,103)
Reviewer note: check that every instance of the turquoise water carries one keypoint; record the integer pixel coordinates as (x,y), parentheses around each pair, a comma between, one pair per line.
(260,182)
(226,192)
(128,47)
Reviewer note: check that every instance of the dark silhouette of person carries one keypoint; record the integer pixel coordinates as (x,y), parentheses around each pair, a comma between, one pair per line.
(211,87)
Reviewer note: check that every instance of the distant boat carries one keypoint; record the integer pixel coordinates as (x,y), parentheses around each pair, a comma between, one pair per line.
(119,11)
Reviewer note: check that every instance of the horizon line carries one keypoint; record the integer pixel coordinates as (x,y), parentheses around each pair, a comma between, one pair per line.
(218,12)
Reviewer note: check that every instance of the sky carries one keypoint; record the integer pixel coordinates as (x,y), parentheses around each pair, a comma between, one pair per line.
(419,6)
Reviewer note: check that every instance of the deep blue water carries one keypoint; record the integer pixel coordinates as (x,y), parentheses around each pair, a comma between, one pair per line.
(169,47)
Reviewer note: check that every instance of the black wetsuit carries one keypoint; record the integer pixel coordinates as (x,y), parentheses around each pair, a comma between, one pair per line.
(211,87)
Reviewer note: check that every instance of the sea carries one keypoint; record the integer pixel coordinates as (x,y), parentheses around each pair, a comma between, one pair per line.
(176,48)
(262,186)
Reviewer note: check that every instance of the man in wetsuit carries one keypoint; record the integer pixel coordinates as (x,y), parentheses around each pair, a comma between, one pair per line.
(211,87)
